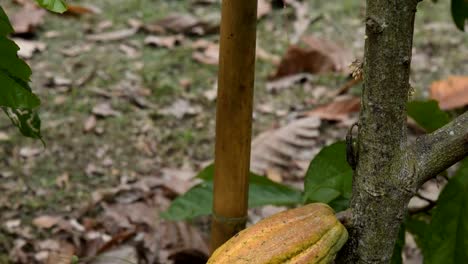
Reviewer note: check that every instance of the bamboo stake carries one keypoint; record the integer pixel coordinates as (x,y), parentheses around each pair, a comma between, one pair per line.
(233,118)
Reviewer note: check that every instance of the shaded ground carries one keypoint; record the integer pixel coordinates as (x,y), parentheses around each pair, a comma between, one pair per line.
(136,137)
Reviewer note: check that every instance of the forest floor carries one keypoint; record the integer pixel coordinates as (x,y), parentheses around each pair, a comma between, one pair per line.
(118,108)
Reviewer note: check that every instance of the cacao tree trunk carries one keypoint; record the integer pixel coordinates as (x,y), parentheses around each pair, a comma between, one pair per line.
(389,171)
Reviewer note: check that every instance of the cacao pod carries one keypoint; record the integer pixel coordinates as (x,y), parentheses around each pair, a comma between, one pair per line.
(308,234)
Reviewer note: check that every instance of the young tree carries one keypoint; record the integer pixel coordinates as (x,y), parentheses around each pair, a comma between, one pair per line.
(389,171)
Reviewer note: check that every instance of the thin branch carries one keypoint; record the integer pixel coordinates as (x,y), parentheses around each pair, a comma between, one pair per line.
(441,149)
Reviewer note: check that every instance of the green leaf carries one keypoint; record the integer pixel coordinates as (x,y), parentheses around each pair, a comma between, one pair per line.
(5,26)
(329,178)
(27,121)
(195,202)
(16,97)
(447,241)
(15,93)
(58,6)
(418,228)
(427,114)
(460,13)
(198,201)
(400,243)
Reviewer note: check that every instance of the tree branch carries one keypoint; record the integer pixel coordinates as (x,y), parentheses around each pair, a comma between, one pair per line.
(380,189)
(441,149)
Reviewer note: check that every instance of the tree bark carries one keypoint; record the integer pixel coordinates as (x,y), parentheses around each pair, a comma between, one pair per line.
(389,172)
(381,190)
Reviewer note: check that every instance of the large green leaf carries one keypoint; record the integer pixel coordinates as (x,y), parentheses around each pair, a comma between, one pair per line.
(5,26)
(198,201)
(400,243)
(447,241)
(16,97)
(27,121)
(419,228)
(58,6)
(460,13)
(427,114)
(329,177)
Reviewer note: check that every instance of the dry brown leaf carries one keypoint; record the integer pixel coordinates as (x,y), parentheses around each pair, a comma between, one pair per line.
(341,57)
(263,8)
(181,108)
(63,180)
(121,255)
(89,124)
(29,47)
(29,152)
(105,110)
(338,110)
(113,35)
(165,42)
(279,149)
(61,255)
(46,221)
(180,236)
(450,93)
(320,56)
(181,23)
(302,21)
(208,55)
(130,51)
(266,56)
(178,180)
(74,51)
(78,10)
(27,19)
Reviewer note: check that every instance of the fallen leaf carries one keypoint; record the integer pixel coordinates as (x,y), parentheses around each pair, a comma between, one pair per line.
(302,21)
(338,110)
(17,254)
(164,41)
(450,93)
(117,239)
(112,35)
(90,123)
(177,180)
(177,236)
(29,152)
(78,10)
(263,8)
(130,51)
(4,136)
(59,81)
(181,23)
(29,47)
(76,50)
(288,81)
(106,24)
(181,108)
(211,94)
(104,110)
(46,221)
(121,255)
(320,56)
(27,19)
(279,148)
(266,56)
(208,55)
(63,180)
(61,255)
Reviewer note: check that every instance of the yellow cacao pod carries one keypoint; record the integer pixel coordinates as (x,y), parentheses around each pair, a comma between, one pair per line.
(308,234)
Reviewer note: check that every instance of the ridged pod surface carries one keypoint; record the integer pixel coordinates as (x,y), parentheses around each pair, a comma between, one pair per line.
(308,234)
